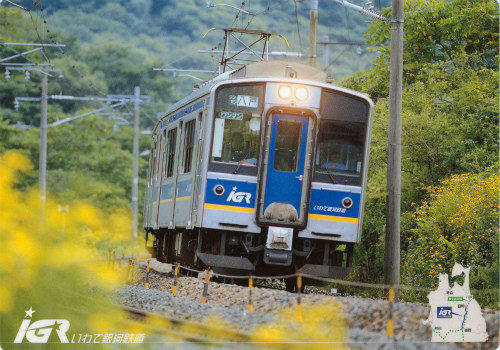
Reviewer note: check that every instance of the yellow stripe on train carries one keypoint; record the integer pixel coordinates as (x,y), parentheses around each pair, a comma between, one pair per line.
(229,208)
(334,218)
(169,200)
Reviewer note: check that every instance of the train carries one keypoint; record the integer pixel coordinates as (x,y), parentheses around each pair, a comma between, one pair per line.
(260,170)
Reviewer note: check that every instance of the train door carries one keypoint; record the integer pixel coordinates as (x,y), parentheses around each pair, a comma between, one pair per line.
(284,192)
(162,145)
(177,159)
(149,198)
(167,177)
(197,171)
(157,180)
(184,183)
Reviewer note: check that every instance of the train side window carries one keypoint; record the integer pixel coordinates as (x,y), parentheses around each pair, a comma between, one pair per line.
(151,162)
(189,130)
(154,155)
(158,165)
(172,141)
(164,154)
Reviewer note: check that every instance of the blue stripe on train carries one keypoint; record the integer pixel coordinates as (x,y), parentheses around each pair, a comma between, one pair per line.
(236,193)
(326,202)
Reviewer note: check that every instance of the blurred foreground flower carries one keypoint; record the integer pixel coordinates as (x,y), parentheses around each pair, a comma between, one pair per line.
(43,270)
(323,327)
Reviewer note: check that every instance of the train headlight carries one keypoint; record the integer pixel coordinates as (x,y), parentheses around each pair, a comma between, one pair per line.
(285,92)
(347,202)
(301,93)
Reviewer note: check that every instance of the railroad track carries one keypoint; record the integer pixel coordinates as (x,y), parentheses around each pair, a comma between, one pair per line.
(188,331)
(366,319)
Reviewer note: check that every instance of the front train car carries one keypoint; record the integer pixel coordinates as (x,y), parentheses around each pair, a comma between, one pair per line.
(280,181)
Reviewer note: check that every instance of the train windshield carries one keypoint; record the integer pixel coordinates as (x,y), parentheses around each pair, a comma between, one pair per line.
(341,140)
(238,113)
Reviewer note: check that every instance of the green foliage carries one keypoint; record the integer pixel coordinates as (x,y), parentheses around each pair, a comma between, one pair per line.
(89,158)
(459,223)
(91,151)
(173,30)
(454,35)
(450,126)
(54,273)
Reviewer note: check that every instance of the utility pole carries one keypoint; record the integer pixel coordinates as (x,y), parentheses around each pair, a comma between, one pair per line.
(121,100)
(393,208)
(43,138)
(313,24)
(32,65)
(393,211)
(135,164)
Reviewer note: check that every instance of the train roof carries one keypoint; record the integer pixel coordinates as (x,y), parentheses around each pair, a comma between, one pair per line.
(280,69)
(263,69)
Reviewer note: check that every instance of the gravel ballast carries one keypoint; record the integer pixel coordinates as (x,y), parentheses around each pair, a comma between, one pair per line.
(366,318)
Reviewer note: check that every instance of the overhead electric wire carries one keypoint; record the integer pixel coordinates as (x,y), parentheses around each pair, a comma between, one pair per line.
(269,8)
(52,40)
(251,17)
(63,53)
(238,14)
(35,5)
(297,22)
(17,5)
(142,112)
(336,58)
(35,26)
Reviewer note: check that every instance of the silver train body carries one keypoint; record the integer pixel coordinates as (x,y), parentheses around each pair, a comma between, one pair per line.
(261,170)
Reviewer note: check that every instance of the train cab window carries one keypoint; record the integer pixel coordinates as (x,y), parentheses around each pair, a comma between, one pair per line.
(189,130)
(172,141)
(286,151)
(237,123)
(341,140)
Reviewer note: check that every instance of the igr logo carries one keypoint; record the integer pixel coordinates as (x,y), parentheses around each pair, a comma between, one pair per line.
(444,312)
(39,331)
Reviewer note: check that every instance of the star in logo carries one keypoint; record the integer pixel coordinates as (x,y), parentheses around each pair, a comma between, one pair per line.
(29,313)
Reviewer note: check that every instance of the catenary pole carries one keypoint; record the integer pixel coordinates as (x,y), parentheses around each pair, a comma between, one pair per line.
(42,176)
(135,165)
(393,208)
(313,24)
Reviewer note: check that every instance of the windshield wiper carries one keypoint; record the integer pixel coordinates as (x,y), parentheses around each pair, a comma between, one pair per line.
(330,176)
(235,171)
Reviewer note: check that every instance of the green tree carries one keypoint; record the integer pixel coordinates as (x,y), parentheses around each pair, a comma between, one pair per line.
(450,108)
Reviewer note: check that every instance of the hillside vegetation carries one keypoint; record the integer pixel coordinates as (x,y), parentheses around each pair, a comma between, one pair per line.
(173,30)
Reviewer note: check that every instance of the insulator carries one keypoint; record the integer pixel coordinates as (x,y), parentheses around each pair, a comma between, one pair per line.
(373,14)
